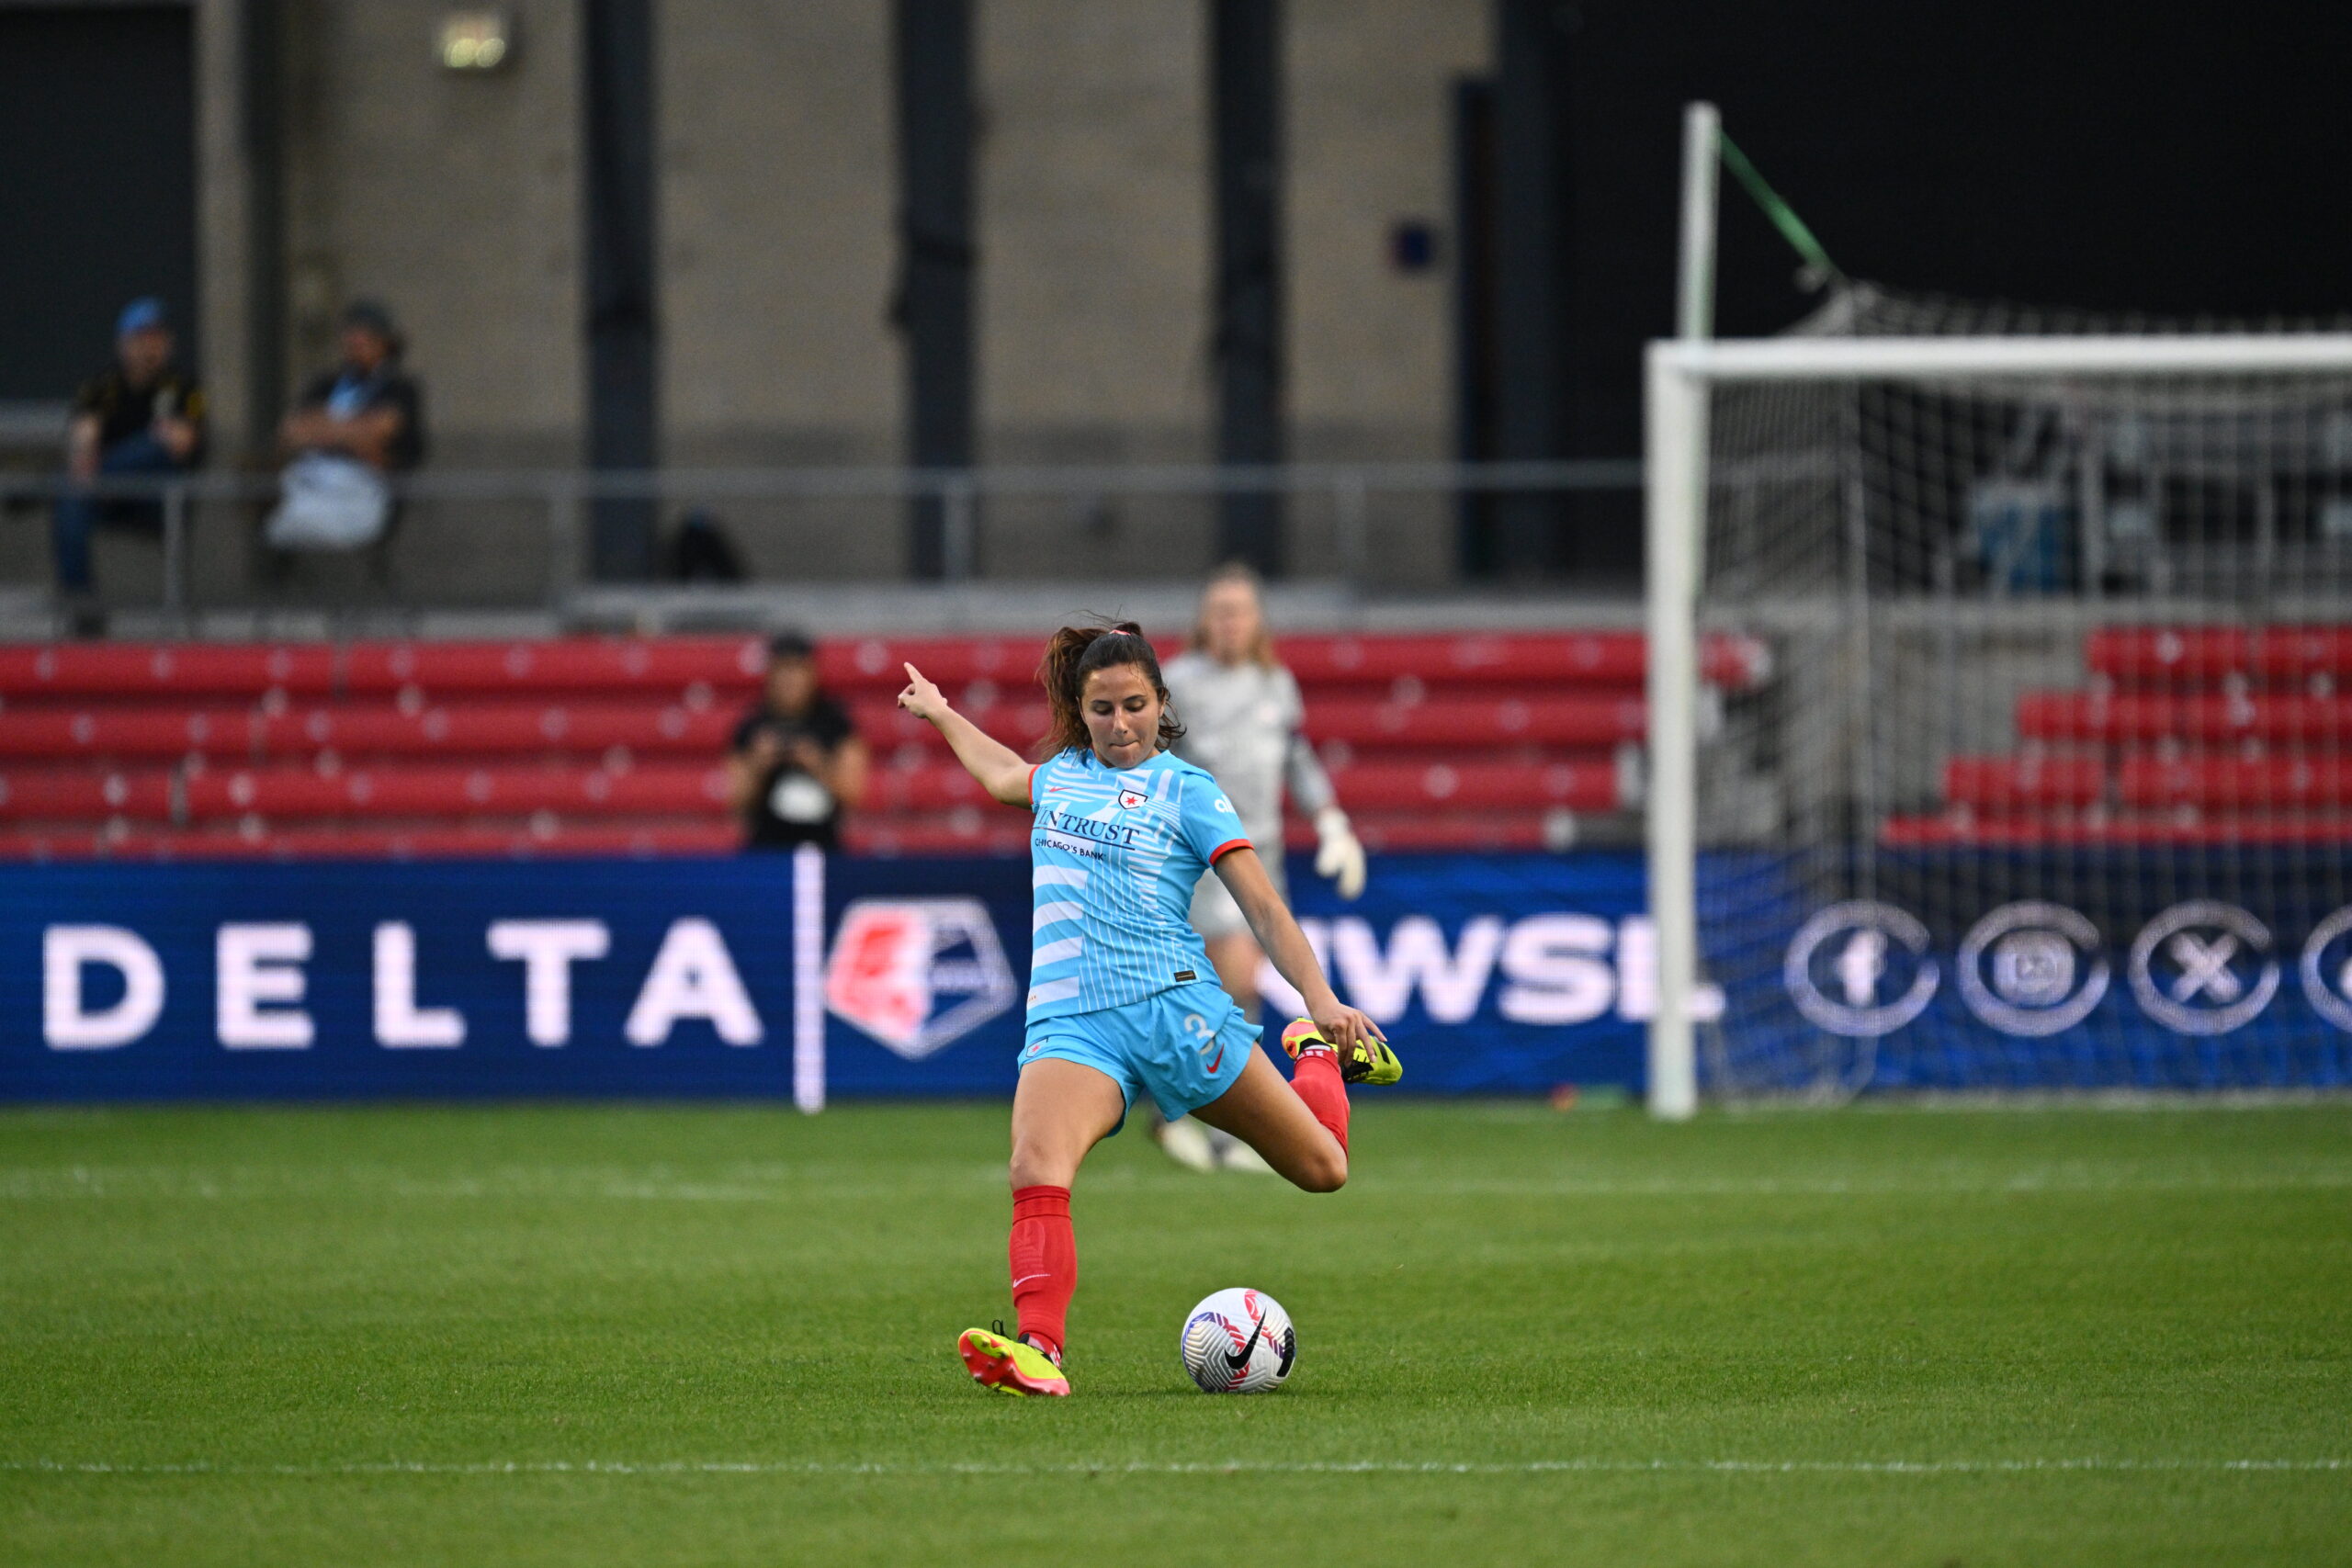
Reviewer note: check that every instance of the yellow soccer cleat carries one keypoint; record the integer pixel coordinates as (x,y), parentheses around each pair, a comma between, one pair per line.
(1369,1061)
(1011,1366)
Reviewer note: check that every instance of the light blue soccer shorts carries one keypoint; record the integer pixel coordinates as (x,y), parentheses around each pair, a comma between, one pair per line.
(1183,1047)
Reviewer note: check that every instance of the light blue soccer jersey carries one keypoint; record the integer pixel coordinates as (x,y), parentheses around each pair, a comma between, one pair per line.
(1114,855)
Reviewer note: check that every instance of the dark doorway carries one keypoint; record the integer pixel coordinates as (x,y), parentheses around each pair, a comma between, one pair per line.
(97,184)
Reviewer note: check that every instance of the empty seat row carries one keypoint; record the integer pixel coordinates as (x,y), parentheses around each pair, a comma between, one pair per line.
(1326,659)
(182,670)
(186,671)
(157,795)
(1592,721)
(2217,781)
(2173,654)
(1997,783)
(2118,717)
(2235,782)
(543,835)
(2181,826)
(152,731)
(58,794)
(256,734)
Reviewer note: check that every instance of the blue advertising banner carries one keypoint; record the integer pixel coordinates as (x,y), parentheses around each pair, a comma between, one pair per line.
(803,978)
(757,976)
(2085,967)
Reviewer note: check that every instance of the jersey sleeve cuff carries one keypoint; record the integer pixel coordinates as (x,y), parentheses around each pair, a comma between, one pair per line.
(1033,783)
(1226,848)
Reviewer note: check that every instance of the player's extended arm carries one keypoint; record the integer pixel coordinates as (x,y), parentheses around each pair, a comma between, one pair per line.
(1279,936)
(997,767)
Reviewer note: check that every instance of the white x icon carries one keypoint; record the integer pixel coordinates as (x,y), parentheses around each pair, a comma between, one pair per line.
(2204,969)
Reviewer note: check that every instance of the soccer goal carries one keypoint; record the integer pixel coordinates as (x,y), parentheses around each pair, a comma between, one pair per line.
(2051,788)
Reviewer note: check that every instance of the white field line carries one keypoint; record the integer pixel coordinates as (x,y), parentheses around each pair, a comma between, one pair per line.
(33,1184)
(1209,1467)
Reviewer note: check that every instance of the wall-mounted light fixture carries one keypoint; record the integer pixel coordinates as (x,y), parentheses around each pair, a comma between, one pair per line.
(476,40)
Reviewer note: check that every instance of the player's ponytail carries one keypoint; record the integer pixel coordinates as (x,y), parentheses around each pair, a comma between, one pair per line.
(1076,652)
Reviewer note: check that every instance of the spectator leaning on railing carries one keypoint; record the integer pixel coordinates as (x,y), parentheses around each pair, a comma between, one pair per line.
(797,761)
(355,425)
(143,414)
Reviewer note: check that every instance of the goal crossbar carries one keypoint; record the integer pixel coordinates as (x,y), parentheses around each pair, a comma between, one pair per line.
(1839,359)
(1678,375)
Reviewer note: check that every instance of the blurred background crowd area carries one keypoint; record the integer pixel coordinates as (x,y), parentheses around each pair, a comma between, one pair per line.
(873,237)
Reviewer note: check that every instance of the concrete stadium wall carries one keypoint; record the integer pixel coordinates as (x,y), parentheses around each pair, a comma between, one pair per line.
(456,197)
(452,197)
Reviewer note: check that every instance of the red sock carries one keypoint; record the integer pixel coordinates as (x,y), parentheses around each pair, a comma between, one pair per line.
(1315,1079)
(1045,1263)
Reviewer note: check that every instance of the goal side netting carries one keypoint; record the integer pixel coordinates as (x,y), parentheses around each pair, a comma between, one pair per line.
(2051,787)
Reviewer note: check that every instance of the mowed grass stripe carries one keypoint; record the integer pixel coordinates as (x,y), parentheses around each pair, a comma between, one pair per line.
(1199,1467)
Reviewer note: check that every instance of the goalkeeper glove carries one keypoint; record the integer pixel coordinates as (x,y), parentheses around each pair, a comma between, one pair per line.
(1338,854)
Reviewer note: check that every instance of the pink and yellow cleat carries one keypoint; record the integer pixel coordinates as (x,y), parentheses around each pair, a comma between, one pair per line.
(1368,1061)
(1011,1366)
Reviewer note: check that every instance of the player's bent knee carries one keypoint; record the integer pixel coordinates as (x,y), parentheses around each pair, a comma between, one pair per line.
(1033,1167)
(1323,1173)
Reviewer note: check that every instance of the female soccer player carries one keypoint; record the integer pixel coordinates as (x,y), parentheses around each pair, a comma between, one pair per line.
(1242,713)
(1122,1003)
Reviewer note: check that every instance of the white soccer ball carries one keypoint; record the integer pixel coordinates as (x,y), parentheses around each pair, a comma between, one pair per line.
(1238,1341)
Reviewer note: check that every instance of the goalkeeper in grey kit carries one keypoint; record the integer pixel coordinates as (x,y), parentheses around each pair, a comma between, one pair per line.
(1242,716)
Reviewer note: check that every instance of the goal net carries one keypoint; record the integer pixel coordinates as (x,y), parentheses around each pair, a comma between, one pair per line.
(2052,787)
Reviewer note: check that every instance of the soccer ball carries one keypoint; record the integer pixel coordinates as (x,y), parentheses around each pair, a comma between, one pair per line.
(1238,1341)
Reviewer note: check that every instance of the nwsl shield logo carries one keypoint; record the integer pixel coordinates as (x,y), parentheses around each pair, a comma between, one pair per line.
(918,974)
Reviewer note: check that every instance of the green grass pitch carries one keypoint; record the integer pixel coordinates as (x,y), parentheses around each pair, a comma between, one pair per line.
(585,1335)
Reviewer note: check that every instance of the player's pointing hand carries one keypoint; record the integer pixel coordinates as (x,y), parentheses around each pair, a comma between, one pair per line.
(922,698)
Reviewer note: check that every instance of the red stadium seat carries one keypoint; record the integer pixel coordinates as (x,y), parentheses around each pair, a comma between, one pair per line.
(1544,659)
(546,836)
(192,670)
(126,733)
(2123,716)
(732,664)
(1557,721)
(2232,784)
(74,795)
(2206,654)
(1996,783)
(2183,826)
(1407,831)
(130,671)
(871,665)
(1579,785)
(365,729)
(490,728)
(426,792)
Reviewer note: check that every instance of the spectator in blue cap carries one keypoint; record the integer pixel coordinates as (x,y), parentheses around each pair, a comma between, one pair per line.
(143,414)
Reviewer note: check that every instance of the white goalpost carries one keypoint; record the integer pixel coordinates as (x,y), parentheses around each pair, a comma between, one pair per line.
(1885,522)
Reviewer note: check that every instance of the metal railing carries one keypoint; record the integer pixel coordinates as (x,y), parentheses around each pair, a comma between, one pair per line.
(564,495)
